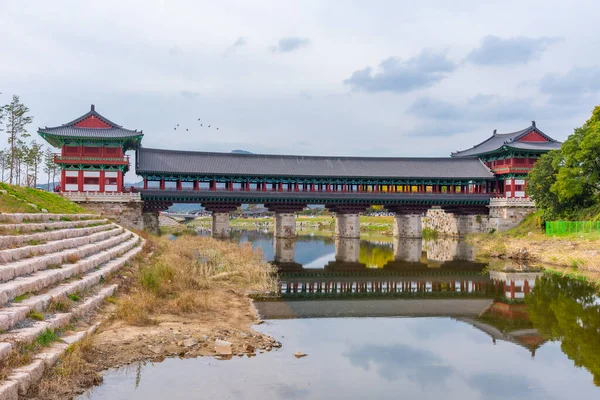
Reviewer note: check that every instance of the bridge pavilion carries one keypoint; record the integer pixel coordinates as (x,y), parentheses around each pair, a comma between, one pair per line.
(92,153)
(93,163)
(510,157)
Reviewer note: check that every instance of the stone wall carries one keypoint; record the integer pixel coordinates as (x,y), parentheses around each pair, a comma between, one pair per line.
(504,215)
(127,214)
(510,212)
(447,224)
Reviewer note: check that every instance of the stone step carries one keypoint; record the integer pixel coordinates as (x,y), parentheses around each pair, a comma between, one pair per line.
(17,229)
(48,277)
(22,378)
(19,253)
(27,335)
(57,321)
(43,217)
(13,241)
(17,312)
(31,265)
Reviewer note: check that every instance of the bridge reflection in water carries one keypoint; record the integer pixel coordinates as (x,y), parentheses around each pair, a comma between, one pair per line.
(406,278)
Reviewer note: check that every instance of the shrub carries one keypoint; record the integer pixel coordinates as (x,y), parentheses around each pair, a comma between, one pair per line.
(46,338)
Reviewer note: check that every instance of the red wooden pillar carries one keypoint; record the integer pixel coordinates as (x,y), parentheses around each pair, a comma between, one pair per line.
(230,185)
(512,289)
(526,287)
(328,187)
(264,186)
(213,185)
(178,185)
(280,187)
(196,185)
(145,183)
(80,181)
(162,184)
(312,187)
(63,180)
(360,188)
(376,188)
(344,188)
(296,187)
(101,181)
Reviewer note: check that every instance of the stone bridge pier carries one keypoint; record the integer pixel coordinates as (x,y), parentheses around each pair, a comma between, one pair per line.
(408,222)
(285,219)
(347,220)
(407,249)
(347,249)
(284,250)
(220,218)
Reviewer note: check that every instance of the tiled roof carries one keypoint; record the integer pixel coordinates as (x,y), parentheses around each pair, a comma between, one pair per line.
(70,130)
(499,140)
(197,163)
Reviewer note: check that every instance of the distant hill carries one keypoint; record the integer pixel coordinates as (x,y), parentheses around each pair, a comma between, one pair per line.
(241,152)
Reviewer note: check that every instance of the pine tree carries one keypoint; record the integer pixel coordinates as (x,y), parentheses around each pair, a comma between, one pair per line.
(35,157)
(49,166)
(16,123)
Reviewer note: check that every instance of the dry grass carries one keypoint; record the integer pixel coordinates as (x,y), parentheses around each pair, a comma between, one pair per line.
(75,369)
(72,258)
(576,252)
(185,276)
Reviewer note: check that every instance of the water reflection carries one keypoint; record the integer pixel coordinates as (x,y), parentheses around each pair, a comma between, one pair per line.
(472,334)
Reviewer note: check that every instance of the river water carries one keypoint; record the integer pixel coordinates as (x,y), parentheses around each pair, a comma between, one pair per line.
(389,319)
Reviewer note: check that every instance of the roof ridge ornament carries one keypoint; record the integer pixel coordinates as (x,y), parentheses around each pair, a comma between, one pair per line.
(533,123)
(93,108)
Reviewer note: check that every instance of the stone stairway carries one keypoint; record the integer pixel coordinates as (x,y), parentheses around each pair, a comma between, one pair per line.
(53,273)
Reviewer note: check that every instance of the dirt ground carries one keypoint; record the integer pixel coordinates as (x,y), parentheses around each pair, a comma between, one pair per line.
(117,344)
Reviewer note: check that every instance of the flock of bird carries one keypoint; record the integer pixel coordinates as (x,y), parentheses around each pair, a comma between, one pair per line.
(187,129)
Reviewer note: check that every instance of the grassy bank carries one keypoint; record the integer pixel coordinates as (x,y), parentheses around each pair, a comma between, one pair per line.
(527,243)
(16,199)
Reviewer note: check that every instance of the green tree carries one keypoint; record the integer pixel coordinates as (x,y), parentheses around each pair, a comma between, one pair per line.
(49,165)
(578,177)
(16,127)
(565,181)
(35,157)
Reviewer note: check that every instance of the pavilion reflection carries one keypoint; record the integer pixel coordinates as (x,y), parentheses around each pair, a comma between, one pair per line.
(354,253)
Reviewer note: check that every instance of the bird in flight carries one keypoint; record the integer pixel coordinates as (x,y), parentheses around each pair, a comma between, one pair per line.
(200,124)
(198,119)
(174,129)
(209,126)
(186,129)
(177,124)
(217,128)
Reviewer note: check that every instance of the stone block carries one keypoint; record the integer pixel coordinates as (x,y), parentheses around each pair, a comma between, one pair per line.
(9,390)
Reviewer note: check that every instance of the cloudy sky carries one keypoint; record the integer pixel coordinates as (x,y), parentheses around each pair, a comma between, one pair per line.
(388,78)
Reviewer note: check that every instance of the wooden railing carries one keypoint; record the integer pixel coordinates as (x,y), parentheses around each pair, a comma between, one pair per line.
(59,158)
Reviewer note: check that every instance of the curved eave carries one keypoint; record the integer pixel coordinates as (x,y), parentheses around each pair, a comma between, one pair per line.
(501,150)
(130,142)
